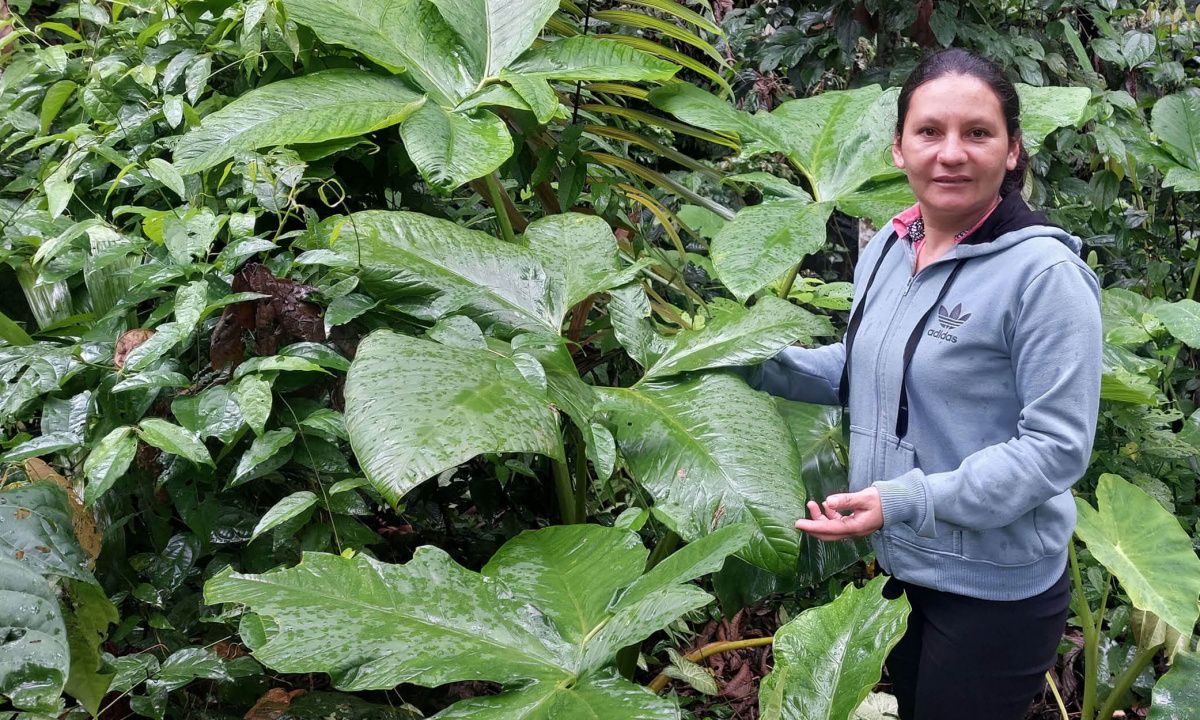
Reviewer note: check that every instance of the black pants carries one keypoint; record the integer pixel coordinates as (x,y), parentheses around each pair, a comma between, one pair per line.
(979,659)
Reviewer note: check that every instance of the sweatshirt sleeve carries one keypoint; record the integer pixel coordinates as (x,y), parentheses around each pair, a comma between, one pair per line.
(1057,366)
(809,375)
(813,375)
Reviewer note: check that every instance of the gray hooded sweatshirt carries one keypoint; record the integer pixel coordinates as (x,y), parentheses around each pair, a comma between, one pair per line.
(976,440)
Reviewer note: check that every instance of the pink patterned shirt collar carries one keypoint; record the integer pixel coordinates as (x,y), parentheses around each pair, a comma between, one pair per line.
(910,225)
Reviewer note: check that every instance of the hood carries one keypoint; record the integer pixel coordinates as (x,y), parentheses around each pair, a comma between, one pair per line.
(1010,223)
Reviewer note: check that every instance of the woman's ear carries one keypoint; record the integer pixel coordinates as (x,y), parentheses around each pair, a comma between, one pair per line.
(1014,152)
(897,156)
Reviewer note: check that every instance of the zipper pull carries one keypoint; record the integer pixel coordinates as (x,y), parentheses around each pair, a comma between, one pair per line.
(907,286)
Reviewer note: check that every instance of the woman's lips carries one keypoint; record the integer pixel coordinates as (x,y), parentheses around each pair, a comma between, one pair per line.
(951,179)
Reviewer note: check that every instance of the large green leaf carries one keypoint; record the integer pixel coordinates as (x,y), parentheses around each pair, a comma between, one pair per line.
(1045,109)
(1176,695)
(1128,318)
(34,657)
(817,432)
(495,32)
(735,335)
(763,242)
(713,452)
(451,148)
(545,618)
(313,108)
(415,408)
(1182,319)
(878,202)
(828,659)
(602,695)
(629,313)
(697,107)
(1144,546)
(585,57)
(578,251)
(406,255)
(839,139)
(36,531)
(408,35)
(1176,121)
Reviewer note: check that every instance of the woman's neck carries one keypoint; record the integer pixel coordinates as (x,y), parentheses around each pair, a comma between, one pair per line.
(943,229)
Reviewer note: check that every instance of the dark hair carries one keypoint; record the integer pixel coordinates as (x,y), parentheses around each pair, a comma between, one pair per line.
(956,61)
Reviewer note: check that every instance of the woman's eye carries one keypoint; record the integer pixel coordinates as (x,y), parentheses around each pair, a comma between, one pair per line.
(979,133)
(927,132)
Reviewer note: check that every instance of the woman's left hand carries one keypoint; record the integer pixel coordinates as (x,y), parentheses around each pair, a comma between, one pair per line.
(845,515)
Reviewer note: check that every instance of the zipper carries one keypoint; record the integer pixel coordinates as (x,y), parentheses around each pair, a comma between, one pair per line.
(888,333)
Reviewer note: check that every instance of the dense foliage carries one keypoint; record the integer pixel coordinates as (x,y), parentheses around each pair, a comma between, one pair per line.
(372,359)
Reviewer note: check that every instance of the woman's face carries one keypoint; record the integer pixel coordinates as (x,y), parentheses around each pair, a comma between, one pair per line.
(955,147)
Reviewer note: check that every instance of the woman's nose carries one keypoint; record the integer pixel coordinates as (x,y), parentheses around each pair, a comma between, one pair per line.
(951,152)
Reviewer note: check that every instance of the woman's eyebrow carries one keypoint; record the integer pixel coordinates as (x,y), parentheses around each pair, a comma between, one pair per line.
(940,119)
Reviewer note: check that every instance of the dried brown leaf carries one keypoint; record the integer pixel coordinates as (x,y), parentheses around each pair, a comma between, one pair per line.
(82,521)
(128,341)
(273,704)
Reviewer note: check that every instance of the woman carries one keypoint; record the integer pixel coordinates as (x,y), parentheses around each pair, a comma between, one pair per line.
(971,367)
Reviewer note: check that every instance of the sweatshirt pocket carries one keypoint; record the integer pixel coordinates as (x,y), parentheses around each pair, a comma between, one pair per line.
(899,457)
(862,457)
(1016,544)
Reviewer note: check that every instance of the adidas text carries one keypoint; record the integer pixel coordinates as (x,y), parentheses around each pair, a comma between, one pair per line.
(942,335)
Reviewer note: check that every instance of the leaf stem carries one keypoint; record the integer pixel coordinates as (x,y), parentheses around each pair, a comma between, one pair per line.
(563,488)
(581,476)
(666,545)
(565,492)
(1126,679)
(1091,647)
(788,281)
(495,193)
(1062,707)
(1103,604)
(659,683)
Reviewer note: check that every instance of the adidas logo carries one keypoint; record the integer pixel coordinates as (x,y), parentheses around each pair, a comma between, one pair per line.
(953,319)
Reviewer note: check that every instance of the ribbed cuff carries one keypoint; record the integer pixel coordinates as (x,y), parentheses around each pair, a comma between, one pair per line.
(904,501)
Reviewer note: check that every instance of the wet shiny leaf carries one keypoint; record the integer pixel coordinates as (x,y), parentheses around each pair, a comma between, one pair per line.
(1145,547)
(108,462)
(712,452)
(286,509)
(213,412)
(253,394)
(817,432)
(451,148)
(578,251)
(37,531)
(539,619)
(311,108)
(448,268)
(829,658)
(415,408)
(1176,695)
(734,335)
(34,656)
(264,455)
(171,438)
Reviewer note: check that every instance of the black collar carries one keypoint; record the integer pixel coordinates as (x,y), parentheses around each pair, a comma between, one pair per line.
(1011,214)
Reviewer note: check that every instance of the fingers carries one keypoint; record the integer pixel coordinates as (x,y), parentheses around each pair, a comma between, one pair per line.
(827,522)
